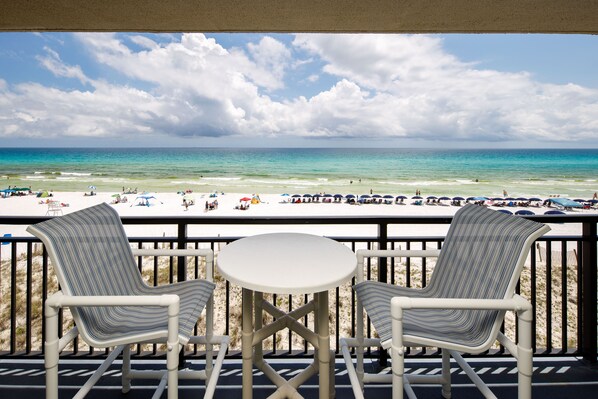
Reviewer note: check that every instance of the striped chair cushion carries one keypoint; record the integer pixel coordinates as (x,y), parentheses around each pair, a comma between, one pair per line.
(91,255)
(479,259)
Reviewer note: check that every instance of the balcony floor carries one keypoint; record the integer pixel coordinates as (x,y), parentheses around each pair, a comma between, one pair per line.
(553,378)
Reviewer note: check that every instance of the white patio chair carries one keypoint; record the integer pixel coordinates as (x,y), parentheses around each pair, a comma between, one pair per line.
(460,310)
(113,307)
(54,208)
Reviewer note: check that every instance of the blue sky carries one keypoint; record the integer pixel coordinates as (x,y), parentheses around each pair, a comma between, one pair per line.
(314,90)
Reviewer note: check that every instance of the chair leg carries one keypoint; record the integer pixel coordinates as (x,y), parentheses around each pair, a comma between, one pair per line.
(398,350)
(524,354)
(446,374)
(51,353)
(173,348)
(126,369)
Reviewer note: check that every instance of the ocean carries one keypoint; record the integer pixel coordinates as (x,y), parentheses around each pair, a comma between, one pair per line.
(522,173)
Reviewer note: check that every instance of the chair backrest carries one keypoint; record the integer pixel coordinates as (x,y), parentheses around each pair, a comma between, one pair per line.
(482,257)
(483,254)
(91,255)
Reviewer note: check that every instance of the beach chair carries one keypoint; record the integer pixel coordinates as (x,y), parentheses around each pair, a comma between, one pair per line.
(54,208)
(460,310)
(113,307)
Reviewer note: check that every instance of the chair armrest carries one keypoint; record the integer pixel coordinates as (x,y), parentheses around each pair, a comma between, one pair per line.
(201,252)
(389,253)
(516,303)
(59,300)
(398,304)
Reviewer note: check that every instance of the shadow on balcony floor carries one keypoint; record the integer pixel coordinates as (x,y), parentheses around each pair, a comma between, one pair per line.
(553,378)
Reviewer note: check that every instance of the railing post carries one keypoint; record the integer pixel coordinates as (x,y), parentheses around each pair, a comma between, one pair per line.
(588,265)
(181,272)
(181,244)
(382,274)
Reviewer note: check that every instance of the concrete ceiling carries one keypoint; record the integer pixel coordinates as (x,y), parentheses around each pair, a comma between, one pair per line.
(384,16)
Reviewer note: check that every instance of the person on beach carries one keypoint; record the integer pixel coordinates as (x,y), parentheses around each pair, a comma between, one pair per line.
(185,204)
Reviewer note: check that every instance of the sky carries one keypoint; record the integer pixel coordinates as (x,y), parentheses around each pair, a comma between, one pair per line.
(302,90)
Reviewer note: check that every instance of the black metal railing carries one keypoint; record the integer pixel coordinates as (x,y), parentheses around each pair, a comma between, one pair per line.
(559,280)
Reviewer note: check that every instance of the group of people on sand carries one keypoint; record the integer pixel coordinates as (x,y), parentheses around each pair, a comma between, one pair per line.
(210,206)
(120,200)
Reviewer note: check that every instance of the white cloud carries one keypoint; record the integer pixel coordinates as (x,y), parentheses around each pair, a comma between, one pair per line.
(54,64)
(387,86)
(433,95)
(272,59)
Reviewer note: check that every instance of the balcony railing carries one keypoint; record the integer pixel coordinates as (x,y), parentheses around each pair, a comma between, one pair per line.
(559,279)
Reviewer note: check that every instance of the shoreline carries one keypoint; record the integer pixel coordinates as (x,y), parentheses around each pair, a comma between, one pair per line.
(171,204)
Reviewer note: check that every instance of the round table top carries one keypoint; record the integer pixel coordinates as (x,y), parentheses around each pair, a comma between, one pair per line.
(287,263)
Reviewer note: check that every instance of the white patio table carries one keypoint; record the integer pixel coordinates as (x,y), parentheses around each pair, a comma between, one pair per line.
(291,264)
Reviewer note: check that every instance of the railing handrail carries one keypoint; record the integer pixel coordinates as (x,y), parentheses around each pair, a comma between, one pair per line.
(342,219)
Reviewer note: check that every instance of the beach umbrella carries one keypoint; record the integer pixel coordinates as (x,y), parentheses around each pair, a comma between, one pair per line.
(307,195)
(388,196)
(521,199)
(444,199)
(458,199)
(416,197)
(91,187)
(116,195)
(505,211)
(338,196)
(497,199)
(329,195)
(350,196)
(296,196)
(364,196)
(535,199)
(565,202)
(244,199)
(284,195)
(431,197)
(576,200)
(376,196)
(554,213)
(21,189)
(479,199)
(146,197)
(524,212)
(400,197)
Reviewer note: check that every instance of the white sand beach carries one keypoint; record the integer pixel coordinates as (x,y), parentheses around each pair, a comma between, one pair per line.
(171,204)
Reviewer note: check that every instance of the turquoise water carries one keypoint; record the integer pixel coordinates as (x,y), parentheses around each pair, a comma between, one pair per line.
(572,173)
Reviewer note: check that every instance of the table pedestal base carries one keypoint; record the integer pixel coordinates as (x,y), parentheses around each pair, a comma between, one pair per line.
(255,334)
